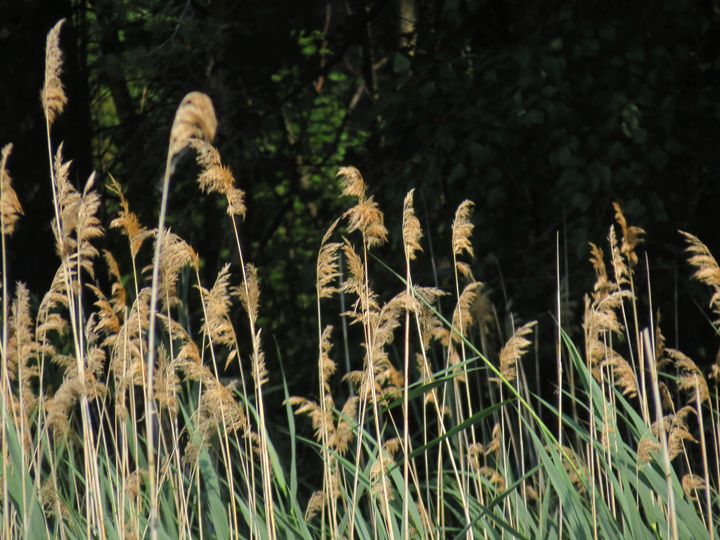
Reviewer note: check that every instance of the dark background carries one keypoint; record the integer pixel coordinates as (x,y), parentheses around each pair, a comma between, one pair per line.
(542,112)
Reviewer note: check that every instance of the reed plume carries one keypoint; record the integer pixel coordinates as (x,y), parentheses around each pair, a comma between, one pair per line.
(707,270)
(53,96)
(411,230)
(632,237)
(127,221)
(217,303)
(462,229)
(194,119)
(327,269)
(515,348)
(9,203)
(218,178)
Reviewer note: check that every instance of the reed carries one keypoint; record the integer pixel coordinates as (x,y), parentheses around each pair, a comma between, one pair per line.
(119,419)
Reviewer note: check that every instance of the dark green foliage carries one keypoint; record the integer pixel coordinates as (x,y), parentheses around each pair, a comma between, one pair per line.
(541,113)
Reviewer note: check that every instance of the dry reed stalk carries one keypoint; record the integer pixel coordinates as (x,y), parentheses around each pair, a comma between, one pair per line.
(430,328)
(461,243)
(218,329)
(10,211)
(411,234)
(625,259)
(216,177)
(53,100)
(670,510)
(327,272)
(703,448)
(73,213)
(194,119)
(559,365)
(707,270)
(366,218)
(53,96)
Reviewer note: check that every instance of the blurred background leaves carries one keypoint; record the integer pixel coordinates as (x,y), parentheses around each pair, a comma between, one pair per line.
(542,113)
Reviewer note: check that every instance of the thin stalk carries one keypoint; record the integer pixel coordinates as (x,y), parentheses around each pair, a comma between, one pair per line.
(667,467)
(150,365)
(4,394)
(264,459)
(558,352)
(706,470)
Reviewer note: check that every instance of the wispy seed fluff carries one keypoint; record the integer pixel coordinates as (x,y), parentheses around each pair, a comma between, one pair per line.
(462,230)
(217,303)
(217,178)
(707,270)
(9,202)
(365,216)
(194,119)
(327,267)
(353,183)
(411,230)
(632,237)
(53,96)
(249,292)
(514,349)
(128,221)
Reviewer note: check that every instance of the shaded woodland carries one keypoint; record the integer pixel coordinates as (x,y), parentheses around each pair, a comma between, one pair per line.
(541,113)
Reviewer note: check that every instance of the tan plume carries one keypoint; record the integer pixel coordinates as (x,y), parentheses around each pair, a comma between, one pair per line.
(411,230)
(462,229)
(515,348)
(707,270)
(194,119)
(353,183)
(327,266)
(53,96)
(632,237)
(9,202)
(218,178)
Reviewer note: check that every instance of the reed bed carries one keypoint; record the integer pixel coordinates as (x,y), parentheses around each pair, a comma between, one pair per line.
(118,421)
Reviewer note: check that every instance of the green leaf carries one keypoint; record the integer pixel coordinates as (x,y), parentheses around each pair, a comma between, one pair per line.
(218,516)
(22,491)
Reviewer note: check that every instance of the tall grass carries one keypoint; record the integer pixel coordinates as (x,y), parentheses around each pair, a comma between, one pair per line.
(118,421)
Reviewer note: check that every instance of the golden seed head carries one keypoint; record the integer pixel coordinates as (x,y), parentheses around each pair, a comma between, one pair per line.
(194,119)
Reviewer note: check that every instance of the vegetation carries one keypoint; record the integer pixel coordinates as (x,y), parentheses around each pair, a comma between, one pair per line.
(546,113)
(137,405)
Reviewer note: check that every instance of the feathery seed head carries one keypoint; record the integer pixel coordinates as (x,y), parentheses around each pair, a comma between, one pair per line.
(249,292)
(9,202)
(175,254)
(411,230)
(217,178)
(707,269)
(128,221)
(515,348)
(194,119)
(353,183)
(367,218)
(53,96)
(632,237)
(315,505)
(647,447)
(691,484)
(620,268)
(690,377)
(462,230)
(463,313)
(327,265)
(217,309)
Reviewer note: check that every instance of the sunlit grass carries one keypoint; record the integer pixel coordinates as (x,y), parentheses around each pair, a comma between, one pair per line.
(119,421)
